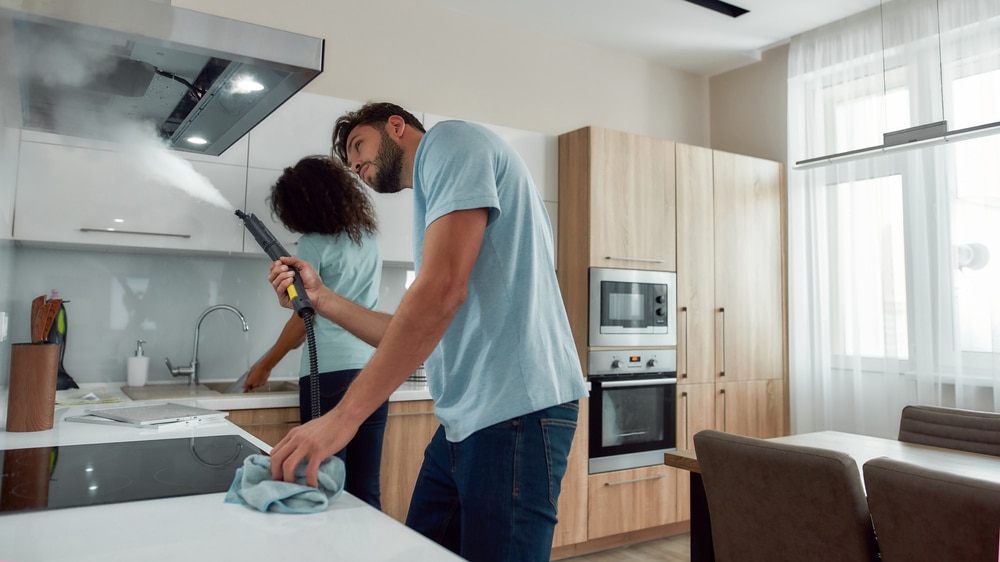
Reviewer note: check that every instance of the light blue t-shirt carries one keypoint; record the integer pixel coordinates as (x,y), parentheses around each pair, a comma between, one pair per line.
(509,350)
(354,272)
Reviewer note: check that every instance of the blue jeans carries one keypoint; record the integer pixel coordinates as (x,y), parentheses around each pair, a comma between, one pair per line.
(493,496)
(363,455)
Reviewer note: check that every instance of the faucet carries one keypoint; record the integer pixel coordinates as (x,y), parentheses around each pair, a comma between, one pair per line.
(192,369)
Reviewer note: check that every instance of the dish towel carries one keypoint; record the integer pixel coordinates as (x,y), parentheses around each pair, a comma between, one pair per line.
(254,487)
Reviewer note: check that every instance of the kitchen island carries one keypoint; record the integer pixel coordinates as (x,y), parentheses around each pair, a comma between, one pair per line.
(197,527)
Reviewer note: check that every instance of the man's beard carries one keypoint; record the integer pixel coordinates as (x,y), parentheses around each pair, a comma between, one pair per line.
(388,166)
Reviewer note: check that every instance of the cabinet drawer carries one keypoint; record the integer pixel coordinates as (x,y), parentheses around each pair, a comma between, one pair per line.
(631,500)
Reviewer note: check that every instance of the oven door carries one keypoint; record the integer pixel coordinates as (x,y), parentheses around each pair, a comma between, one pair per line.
(632,421)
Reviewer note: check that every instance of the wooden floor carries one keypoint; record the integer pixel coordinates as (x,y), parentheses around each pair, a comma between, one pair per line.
(676,548)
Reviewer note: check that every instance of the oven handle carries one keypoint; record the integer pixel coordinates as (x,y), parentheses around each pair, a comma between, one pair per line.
(641,382)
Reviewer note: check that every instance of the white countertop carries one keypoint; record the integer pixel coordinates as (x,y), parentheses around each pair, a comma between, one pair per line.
(200,527)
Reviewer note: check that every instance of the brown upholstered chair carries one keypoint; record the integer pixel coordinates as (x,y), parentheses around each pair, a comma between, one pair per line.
(769,501)
(923,514)
(951,428)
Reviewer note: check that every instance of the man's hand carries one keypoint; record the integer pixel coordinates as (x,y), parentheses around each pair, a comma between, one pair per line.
(282,275)
(315,441)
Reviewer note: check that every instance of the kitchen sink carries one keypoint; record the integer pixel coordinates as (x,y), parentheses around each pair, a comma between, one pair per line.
(268,387)
(214,389)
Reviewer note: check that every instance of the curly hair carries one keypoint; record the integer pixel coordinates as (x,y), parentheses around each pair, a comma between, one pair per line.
(375,114)
(320,196)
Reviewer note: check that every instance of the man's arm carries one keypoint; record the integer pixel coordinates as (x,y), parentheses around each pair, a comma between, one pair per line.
(451,245)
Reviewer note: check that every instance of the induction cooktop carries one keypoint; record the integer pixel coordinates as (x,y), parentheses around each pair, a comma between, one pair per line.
(100,473)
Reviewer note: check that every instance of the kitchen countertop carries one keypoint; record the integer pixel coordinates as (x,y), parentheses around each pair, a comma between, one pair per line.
(200,527)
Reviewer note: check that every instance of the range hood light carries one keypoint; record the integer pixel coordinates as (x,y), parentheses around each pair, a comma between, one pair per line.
(196,140)
(246,85)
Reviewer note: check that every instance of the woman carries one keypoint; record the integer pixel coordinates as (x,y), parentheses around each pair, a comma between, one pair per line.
(322,200)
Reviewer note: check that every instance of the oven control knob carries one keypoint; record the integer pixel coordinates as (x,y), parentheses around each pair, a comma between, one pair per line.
(660,312)
(661,299)
(652,363)
(616,363)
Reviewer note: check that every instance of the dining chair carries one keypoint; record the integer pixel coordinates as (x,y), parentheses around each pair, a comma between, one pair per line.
(925,514)
(951,428)
(769,501)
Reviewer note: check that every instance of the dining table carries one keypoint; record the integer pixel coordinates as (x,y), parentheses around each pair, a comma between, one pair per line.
(861,448)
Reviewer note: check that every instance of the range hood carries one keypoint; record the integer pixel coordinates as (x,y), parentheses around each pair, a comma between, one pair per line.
(84,65)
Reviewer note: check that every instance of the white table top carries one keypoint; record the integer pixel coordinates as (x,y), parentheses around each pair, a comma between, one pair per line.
(201,527)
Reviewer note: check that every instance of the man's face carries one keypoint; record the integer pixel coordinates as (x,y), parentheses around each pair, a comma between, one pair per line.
(376,158)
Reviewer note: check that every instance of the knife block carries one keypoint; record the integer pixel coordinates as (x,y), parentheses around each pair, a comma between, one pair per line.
(31,399)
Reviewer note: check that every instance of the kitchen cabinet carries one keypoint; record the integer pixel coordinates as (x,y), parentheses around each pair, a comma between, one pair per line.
(572,507)
(408,429)
(616,209)
(730,282)
(630,500)
(129,202)
(620,192)
(270,425)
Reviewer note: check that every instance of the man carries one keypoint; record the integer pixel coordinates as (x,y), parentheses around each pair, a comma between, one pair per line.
(484,315)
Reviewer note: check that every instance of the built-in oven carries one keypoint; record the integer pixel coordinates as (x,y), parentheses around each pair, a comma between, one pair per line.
(631,307)
(633,407)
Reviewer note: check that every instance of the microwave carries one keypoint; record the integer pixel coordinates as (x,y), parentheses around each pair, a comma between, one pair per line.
(630,307)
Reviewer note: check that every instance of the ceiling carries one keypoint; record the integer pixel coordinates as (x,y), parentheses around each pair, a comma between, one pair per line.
(675,33)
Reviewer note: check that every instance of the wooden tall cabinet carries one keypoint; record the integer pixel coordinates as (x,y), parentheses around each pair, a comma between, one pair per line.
(616,209)
(730,287)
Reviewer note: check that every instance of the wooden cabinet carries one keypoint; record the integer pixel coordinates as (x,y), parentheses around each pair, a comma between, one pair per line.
(572,507)
(270,425)
(616,209)
(150,199)
(630,500)
(730,286)
(408,430)
(620,192)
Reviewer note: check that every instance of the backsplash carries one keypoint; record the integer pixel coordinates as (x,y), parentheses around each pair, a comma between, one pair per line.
(114,298)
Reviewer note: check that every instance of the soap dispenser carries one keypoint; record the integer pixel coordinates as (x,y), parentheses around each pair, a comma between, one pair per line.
(138,366)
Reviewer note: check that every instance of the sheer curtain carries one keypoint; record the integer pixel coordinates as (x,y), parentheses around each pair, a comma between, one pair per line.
(894,258)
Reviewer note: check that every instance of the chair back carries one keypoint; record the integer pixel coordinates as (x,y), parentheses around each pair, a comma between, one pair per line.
(951,428)
(769,501)
(924,514)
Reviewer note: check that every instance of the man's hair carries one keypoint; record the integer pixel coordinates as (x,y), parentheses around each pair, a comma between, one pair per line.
(319,196)
(374,114)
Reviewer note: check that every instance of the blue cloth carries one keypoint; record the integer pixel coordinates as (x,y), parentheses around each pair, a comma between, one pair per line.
(509,350)
(254,487)
(494,495)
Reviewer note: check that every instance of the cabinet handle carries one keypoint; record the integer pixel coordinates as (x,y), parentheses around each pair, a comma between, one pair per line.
(684,310)
(646,260)
(725,409)
(687,416)
(113,231)
(401,414)
(722,372)
(657,477)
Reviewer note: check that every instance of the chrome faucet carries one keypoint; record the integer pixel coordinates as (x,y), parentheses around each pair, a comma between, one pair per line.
(192,369)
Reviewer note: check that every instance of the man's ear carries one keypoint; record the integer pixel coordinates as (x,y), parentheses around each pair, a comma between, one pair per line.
(395,126)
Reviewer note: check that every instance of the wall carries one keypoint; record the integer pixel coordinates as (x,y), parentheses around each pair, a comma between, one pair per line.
(117,297)
(423,56)
(749,108)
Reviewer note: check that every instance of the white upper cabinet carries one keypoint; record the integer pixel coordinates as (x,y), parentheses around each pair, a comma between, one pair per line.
(95,194)
(303,126)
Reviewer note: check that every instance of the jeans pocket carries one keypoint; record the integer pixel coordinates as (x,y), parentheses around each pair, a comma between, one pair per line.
(558,437)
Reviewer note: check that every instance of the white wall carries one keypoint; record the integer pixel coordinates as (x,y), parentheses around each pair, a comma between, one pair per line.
(750,108)
(422,56)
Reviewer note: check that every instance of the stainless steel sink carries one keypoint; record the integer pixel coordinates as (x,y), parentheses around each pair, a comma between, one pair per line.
(272,387)
(214,389)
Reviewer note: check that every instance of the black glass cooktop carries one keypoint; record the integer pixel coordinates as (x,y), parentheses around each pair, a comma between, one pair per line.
(81,475)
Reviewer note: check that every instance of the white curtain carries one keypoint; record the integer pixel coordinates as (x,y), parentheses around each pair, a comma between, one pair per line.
(894,258)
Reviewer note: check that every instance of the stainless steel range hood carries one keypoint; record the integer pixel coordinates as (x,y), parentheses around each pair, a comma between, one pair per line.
(84,65)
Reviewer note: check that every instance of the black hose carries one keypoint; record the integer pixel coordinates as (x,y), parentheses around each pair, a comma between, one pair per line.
(307,318)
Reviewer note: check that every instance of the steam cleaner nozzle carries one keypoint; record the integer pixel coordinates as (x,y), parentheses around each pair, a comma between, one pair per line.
(274,250)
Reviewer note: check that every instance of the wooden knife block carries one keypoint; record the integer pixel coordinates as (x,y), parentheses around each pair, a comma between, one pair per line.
(31,399)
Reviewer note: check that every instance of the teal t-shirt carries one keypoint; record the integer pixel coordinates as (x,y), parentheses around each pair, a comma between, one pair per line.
(353,271)
(509,350)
